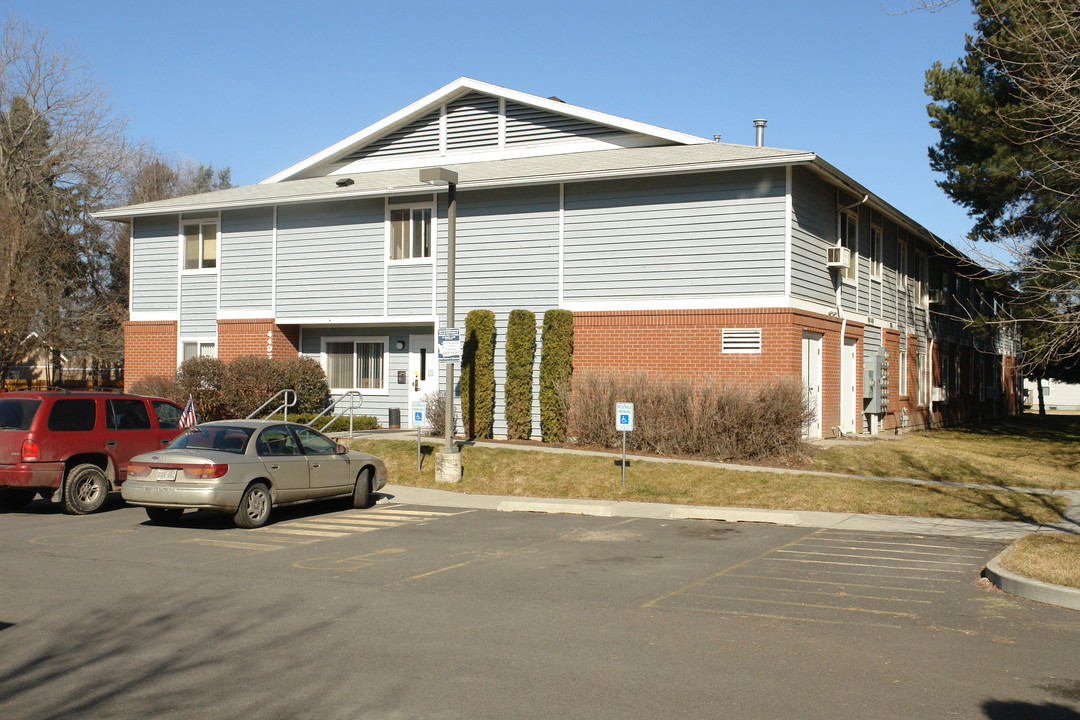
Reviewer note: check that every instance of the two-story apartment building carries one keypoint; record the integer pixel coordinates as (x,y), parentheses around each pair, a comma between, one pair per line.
(716,262)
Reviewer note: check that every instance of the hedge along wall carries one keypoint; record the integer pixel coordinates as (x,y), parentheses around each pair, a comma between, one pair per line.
(478,374)
(520,356)
(556,369)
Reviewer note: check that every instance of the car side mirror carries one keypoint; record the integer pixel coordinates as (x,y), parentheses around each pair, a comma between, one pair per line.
(340,449)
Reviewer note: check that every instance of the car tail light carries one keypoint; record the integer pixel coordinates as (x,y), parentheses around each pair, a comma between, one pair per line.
(205,472)
(30,451)
(138,470)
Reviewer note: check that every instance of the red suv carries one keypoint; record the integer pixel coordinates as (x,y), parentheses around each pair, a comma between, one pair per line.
(74,447)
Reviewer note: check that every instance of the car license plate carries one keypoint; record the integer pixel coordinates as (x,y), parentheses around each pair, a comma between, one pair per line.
(168,475)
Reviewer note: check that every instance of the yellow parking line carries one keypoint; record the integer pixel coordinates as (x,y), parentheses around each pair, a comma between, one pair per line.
(305,525)
(376,522)
(804,605)
(765,616)
(423,513)
(886,550)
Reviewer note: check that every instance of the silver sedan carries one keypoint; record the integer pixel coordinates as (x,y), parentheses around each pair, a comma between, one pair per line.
(245,467)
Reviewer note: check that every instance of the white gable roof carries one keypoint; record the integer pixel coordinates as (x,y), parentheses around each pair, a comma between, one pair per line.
(629,133)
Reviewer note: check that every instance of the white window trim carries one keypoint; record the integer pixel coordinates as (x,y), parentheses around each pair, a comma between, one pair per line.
(902,388)
(184,270)
(389,234)
(853,245)
(922,279)
(199,340)
(384,339)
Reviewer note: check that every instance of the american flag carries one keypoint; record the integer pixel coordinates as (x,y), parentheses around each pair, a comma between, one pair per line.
(187,418)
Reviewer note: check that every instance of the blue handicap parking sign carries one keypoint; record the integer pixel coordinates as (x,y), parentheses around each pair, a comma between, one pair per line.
(624,419)
(418,417)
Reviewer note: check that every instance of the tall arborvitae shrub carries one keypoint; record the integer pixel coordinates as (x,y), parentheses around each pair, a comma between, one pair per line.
(478,374)
(556,368)
(520,355)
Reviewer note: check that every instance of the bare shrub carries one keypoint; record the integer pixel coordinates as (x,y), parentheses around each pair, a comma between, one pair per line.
(157,386)
(436,414)
(676,418)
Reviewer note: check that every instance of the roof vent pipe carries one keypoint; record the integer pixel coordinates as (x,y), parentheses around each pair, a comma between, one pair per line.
(759,132)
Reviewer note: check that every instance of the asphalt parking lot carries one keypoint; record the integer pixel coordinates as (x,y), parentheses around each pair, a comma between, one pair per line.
(407,611)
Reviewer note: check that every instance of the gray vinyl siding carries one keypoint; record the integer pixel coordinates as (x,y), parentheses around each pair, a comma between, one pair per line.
(472,122)
(529,125)
(507,259)
(198,304)
(685,236)
(813,229)
(330,259)
(246,262)
(155,245)
(420,137)
(410,289)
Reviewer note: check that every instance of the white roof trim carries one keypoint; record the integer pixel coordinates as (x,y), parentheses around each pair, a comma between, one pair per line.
(462,86)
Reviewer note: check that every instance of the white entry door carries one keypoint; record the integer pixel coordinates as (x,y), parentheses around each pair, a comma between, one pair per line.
(811,377)
(848,389)
(423,369)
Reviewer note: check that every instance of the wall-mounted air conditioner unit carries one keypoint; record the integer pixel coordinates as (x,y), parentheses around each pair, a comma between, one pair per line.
(937,395)
(838,256)
(936,296)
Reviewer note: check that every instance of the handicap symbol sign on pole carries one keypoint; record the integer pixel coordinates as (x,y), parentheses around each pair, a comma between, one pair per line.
(419,417)
(624,423)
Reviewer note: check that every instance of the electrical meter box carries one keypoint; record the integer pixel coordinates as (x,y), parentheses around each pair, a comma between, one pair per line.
(876,383)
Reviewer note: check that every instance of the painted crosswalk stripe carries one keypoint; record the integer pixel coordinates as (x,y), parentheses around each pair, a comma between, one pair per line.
(234,544)
(423,513)
(370,522)
(292,531)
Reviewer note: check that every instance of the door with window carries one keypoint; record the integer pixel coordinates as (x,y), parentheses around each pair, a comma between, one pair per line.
(811,376)
(423,370)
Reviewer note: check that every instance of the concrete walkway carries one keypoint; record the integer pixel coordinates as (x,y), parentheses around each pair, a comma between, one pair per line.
(984,529)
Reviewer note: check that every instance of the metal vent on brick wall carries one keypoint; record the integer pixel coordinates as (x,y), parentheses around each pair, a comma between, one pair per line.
(741,340)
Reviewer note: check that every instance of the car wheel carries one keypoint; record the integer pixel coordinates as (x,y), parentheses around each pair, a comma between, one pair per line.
(361,496)
(85,490)
(13,499)
(164,516)
(254,508)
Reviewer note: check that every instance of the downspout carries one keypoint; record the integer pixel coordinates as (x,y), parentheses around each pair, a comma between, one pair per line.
(840,282)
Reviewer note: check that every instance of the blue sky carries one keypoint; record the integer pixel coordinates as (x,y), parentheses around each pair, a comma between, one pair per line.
(260,86)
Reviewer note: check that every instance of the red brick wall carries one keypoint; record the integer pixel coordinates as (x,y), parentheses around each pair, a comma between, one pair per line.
(257,337)
(149,350)
(687,343)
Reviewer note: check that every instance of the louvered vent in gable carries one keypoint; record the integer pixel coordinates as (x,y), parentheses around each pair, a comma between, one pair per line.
(472,122)
(741,340)
(531,125)
(419,137)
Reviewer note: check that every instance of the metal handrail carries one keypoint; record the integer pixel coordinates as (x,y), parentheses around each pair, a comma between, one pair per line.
(288,401)
(351,395)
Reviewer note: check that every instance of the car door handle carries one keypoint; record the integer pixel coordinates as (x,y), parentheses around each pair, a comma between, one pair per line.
(315,465)
(274,467)
(110,442)
(164,441)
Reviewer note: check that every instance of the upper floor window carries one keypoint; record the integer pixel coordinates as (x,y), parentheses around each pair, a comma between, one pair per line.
(200,244)
(901,262)
(410,233)
(849,238)
(922,278)
(877,247)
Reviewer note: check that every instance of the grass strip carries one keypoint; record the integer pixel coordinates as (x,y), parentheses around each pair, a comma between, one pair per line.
(1024,451)
(1050,557)
(524,473)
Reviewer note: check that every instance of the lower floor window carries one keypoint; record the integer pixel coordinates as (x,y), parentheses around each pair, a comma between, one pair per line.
(198,349)
(356,364)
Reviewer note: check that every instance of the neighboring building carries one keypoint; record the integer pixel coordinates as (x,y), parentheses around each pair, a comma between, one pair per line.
(1056,395)
(711,261)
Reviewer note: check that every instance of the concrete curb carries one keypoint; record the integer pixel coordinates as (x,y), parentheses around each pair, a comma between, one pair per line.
(730,515)
(1030,588)
(560,508)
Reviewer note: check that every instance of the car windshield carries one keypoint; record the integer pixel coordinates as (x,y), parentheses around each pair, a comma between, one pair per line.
(225,438)
(17,413)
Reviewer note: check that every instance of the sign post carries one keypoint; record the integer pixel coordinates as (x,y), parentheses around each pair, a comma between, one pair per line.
(624,423)
(419,417)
